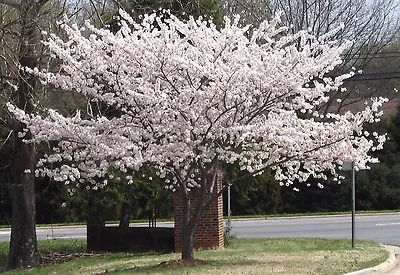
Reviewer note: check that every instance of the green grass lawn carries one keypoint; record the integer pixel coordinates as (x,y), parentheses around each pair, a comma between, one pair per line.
(243,256)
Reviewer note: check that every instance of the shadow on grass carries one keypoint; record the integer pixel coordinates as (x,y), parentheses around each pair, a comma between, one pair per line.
(178,267)
(3,261)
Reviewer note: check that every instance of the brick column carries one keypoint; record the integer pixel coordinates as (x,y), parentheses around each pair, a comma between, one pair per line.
(209,231)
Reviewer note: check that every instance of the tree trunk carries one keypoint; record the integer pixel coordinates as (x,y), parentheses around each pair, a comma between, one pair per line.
(187,244)
(126,209)
(188,229)
(192,216)
(125,217)
(23,245)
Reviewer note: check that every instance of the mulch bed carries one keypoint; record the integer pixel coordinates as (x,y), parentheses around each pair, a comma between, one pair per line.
(58,258)
(181,263)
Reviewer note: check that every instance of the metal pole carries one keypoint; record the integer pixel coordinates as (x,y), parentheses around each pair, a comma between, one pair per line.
(229,206)
(353,209)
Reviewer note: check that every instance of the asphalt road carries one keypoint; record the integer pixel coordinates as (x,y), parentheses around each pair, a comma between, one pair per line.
(383,228)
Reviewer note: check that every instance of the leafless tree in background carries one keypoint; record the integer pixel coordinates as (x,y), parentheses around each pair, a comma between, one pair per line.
(21,26)
(372,26)
(251,11)
(21,51)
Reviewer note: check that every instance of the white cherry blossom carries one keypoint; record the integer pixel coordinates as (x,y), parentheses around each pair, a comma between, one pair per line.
(190,97)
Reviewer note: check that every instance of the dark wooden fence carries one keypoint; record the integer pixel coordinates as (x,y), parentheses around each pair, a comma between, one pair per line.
(132,239)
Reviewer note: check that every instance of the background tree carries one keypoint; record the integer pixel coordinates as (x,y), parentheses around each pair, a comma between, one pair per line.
(23,244)
(251,11)
(209,9)
(254,195)
(385,173)
(372,26)
(21,23)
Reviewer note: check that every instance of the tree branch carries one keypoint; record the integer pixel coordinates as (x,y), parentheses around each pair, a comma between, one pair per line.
(12,3)
(97,13)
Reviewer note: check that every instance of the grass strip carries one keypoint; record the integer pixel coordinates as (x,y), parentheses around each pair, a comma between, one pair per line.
(243,256)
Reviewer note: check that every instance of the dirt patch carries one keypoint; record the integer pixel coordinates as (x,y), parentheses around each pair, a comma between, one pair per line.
(58,258)
(181,263)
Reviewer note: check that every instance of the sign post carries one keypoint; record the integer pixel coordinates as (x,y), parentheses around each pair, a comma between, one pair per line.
(349,166)
(229,205)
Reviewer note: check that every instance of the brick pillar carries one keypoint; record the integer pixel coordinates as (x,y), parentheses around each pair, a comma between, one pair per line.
(209,231)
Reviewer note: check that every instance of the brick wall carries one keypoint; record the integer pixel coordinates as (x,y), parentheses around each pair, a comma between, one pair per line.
(209,232)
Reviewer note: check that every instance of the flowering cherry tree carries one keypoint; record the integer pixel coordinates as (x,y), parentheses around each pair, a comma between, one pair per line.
(190,97)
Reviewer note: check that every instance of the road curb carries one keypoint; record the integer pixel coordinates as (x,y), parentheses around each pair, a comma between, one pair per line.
(384,267)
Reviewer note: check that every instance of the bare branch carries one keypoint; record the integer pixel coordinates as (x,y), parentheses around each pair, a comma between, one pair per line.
(7,138)
(12,3)
(97,12)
